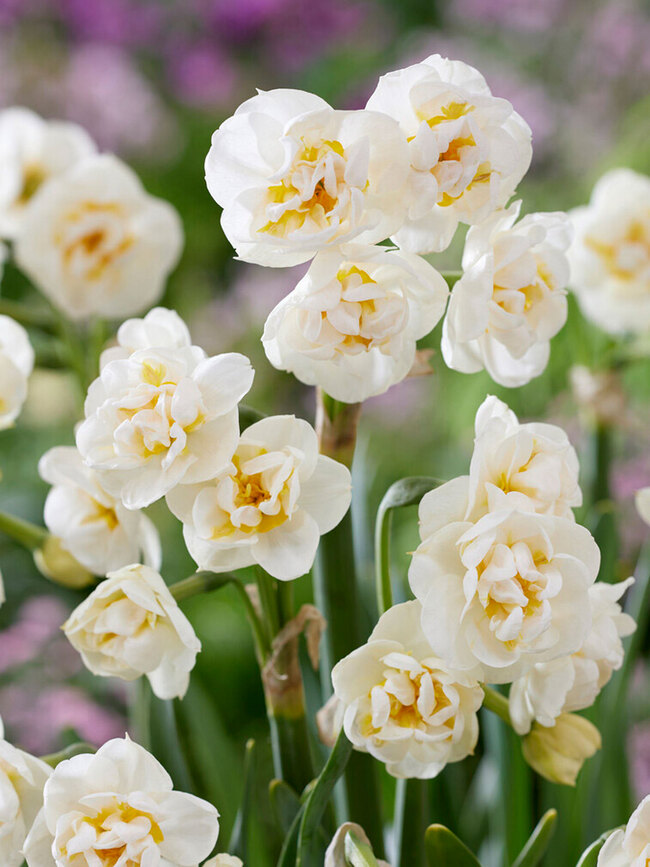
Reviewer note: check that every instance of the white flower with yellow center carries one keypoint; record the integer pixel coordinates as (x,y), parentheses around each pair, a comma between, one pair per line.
(610,254)
(270,506)
(16,365)
(468,149)
(96,244)
(294,176)
(504,593)
(531,466)
(92,525)
(403,704)
(572,682)
(162,417)
(117,808)
(131,625)
(22,778)
(33,151)
(629,846)
(160,327)
(511,299)
(351,324)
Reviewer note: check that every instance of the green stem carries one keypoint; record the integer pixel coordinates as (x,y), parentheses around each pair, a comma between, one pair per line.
(411,802)
(140,712)
(78,749)
(268,596)
(382,560)
(452,277)
(28,314)
(497,703)
(24,532)
(605,525)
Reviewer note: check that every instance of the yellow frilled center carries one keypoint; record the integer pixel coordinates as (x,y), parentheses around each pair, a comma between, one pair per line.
(90,253)
(103,823)
(637,238)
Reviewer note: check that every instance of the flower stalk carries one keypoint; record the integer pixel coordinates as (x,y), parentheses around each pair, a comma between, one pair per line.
(28,535)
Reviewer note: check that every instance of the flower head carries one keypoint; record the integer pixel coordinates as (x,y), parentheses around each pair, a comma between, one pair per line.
(92,525)
(351,324)
(610,255)
(403,704)
(118,808)
(160,328)
(162,417)
(269,506)
(468,149)
(22,778)
(131,625)
(504,593)
(511,299)
(629,847)
(558,753)
(96,243)
(295,176)
(34,151)
(16,364)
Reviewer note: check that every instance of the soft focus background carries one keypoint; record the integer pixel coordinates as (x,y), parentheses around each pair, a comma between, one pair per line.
(150,80)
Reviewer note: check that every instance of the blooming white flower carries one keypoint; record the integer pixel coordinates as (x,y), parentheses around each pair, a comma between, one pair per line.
(96,243)
(118,808)
(16,365)
(573,682)
(531,466)
(131,625)
(161,328)
(610,254)
(294,176)
(270,506)
(33,151)
(504,593)
(642,500)
(335,855)
(92,525)
(468,149)
(629,847)
(351,324)
(511,299)
(162,417)
(404,705)
(22,778)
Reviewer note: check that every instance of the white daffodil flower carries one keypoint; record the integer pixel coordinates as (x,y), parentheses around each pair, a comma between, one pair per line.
(22,778)
(96,243)
(294,176)
(504,593)
(160,328)
(532,467)
(118,808)
(162,417)
(270,506)
(610,254)
(468,149)
(572,682)
(403,704)
(16,365)
(33,152)
(629,847)
(511,299)
(131,625)
(92,525)
(351,324)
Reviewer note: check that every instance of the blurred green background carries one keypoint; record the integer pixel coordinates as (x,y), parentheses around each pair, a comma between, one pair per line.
(151,80)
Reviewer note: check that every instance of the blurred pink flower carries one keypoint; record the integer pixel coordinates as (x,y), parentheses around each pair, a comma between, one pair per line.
(617,41)
(202,75)
(639,752)
(37,625)
(521,15)
(124,22)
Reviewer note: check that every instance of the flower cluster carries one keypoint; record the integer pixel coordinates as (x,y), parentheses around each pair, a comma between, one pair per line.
(300,180)
(505,593)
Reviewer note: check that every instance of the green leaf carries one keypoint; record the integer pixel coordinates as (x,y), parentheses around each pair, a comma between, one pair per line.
(319,796)
(358,853)
(535,848)
(285,804)
(444,849)
(589,857)
(238,844)
(407,492)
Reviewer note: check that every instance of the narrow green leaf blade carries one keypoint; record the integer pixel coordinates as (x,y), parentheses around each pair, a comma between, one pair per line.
(238,844)
(535,849)
(285,804)
(444,848)
(589,857)
(407,492)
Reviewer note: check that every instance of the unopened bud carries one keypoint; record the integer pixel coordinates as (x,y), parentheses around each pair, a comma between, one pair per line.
(558,753)
(57,564)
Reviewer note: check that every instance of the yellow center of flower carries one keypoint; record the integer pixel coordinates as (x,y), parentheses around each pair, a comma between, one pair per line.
(101,514)
(309,192)
(628,256)
(93,238)
(109,847)
(33,177)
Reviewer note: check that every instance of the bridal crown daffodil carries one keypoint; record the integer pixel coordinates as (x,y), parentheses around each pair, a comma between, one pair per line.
(16,365)
(629,846)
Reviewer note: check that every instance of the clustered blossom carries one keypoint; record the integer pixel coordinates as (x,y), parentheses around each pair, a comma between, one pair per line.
(118,807)
(610,254)
(131,625)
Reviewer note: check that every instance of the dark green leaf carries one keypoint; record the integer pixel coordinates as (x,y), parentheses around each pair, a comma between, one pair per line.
(285,804)
(444,849)
(238,844)
(535,848)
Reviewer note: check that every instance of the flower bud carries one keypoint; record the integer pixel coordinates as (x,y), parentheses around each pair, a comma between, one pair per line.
(57,564)
(558,753)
